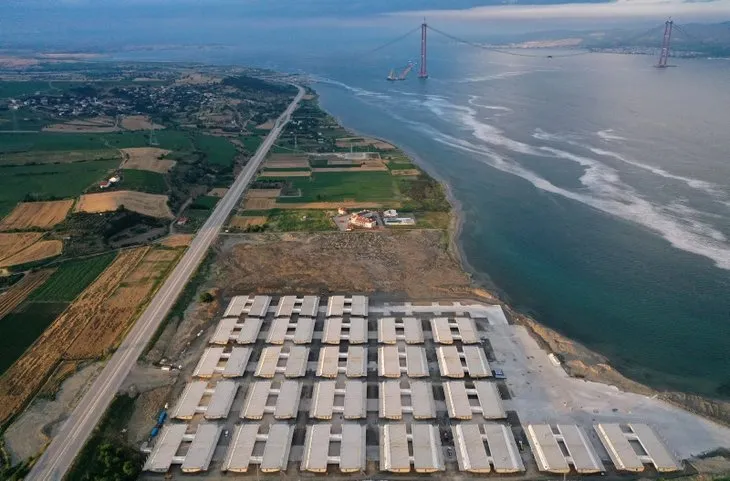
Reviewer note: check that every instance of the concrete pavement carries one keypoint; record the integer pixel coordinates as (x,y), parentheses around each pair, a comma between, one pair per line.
(65,446)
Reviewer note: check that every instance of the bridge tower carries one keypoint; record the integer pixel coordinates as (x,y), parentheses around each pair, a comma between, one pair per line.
(664,55)
(423,71)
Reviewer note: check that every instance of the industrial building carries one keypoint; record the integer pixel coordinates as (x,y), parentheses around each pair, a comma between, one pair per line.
(394,360)
(269,451)
(633,446)
(298,331)
(216,360)
(351,363)
(446,331)
(214,403)
(289,360)
(469,360)
(396,444)
(306,306)
(197,456)
(407,329)
(322,446)
(253,306)
(279,399)
(397,398)
(353,305)
(353,330)
(348,399)
(556,448)
(483,447)
(482,398)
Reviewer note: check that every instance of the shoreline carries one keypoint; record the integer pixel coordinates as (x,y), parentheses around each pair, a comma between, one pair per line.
(577,360)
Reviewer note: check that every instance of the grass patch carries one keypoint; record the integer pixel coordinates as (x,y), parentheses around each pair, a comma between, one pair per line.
(19,329)
(205,202)
(287,169)
(106,456)
(71,278)
(48,141)
(254,213)
(340,186)
(49,182)
(299,220)
(431,220)
(400,166)
(424,194)
(58,156)
(251,142)
(217,150)
(143,181)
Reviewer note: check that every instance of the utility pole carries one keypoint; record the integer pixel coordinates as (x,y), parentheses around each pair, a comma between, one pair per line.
(423,71)
(664,55)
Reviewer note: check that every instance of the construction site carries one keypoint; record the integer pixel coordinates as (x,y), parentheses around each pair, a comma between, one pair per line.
(308,385)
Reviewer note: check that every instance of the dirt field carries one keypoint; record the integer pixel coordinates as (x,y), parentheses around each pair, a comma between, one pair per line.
(346,142)
(406,263)
(335,205)
(43,215)
(367,167)
(259,203)
(35,252)
(98,125)
(268,125)
(219,192)
(11,244)
(21,381)
(406,172)
(287,161)
(139,122)
(178,240)
(238,222)
(17,294)
(268,193)
(286,173)
(149,204)
(147,158)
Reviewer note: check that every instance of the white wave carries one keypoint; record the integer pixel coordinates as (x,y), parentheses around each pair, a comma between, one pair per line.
(608,135)
(359,92)
(604,190)
(473,101)
(496,76)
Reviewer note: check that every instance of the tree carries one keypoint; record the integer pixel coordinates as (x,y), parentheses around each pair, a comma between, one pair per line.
(206,297)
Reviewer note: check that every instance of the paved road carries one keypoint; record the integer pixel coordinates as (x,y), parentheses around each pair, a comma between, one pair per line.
(58,458)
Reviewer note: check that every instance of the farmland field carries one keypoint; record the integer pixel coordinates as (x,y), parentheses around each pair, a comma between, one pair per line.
(300,220)
(147,158)
(58,156)
(217,150)
(337,186)
(144,181)
(148,204)
(20,291)
(43,215)
(48,141)
(50,181)
(35,252)
(11,244)
(205,202)
(71,278)
(251,142)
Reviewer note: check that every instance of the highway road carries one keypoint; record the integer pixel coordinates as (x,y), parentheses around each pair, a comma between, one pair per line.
(66,445)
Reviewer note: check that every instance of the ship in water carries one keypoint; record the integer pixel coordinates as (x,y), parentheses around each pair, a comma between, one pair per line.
(392,76)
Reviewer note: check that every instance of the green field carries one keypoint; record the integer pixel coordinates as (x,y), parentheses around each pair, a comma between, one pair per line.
(251,142)
(299,220)
(143,181)
(19,329)
(49,181)
(167,139)
(340,186)
(217,150)
(206,202)
(11,89)
(57,156)
(71,278)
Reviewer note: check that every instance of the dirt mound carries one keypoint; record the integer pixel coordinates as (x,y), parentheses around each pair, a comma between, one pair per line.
(152,205)
(43,215)
(408,263)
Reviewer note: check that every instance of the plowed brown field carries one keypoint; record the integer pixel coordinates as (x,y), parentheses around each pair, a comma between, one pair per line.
(21,381)
(35,252)
(43,215)
(147,158)
(11,244)
(17,294)
(148,204)
(238,222)
(261,203)
(139,122)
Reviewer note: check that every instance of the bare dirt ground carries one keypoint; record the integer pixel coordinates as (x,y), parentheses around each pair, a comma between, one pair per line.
(406,172)
(413,264)
(147,158)
(11,244)
(43,215)
(259,203)
(239,222)
(96,125)
(268,125)
(139,122)
(17,294)
(153,205)
(219,192)
(286,173)
(346,142)
(287,161)
(35,252)
(28,435)
(146,409)
(177,240)
(266,193)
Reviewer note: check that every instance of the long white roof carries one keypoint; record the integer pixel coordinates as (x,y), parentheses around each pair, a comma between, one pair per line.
(276,451)
(355,400)
(619,449)
(238,456)
(457,400)
(323,397)
(416,362)
(222,400)
(237,362)
(386,330)
(359,306)
(208,362)
(335,306)
(441,330)
(287,402)
(304,331)
(236,306)
(467,330)
(413,331)
(352,448)
(390,400)
(427,453)
(166,446)
(357,361)
(277,330)
(187,404)
(584,458)
(358,332)
(505,456)
(332,330)
(476,361)
(310,306)
(249,331)
(316,447)
(260,306)
(545,447)
(329,361)
(317,442)
(472,455)
(268,360)
(424,406)
(660,456)
(224,330)
(388,361)
(202,448)
(449,362)
(394,448)
(296,364)
(254,404)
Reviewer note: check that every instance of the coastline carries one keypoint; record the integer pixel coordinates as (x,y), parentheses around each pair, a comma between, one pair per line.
(577,360)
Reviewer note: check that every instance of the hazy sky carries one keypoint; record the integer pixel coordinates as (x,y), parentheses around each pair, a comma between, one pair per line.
(108,23)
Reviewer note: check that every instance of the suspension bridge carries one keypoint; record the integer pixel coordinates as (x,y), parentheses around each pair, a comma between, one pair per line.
(668,27)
